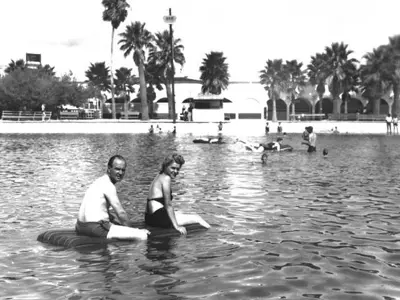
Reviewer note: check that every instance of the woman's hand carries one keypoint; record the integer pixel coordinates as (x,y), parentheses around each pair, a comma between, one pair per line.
(181,229)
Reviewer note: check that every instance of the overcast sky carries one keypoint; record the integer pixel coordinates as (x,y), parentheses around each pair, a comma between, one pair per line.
(70,34)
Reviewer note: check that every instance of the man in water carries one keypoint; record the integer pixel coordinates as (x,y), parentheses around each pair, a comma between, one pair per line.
(94,218)
(312,140)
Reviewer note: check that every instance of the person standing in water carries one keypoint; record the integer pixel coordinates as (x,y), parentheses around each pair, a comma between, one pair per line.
(312,140)
(159,211)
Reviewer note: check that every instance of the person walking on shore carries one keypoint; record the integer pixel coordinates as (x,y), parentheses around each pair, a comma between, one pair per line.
(388,124)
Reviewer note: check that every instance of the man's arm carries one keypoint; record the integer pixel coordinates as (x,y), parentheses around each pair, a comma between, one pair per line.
(112,198)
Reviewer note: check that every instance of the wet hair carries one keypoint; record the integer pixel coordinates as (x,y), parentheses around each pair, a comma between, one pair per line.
(264,157)
(325,152)
(111,160)
(309,129)
(171,159)
(279,139)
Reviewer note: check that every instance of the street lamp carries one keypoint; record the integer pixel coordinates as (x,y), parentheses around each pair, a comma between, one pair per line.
(170,19)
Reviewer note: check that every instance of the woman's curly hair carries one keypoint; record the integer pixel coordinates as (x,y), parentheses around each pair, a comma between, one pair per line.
(171,159)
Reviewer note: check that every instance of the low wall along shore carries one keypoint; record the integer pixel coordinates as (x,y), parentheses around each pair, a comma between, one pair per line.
(235,128)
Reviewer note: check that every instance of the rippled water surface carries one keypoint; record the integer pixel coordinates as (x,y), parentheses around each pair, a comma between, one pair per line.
(299,227)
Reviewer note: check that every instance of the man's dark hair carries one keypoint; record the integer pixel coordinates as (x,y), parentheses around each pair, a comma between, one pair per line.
(111,160)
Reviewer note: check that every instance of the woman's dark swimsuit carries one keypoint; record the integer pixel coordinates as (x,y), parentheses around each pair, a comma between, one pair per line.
(160,217)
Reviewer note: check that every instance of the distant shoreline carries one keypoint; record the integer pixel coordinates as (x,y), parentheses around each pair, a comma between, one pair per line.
(234,128)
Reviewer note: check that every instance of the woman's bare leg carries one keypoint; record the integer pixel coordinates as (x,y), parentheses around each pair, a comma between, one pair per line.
(185,219)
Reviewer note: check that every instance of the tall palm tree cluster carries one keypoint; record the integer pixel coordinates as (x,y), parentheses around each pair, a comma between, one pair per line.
(336,70)
(151,53)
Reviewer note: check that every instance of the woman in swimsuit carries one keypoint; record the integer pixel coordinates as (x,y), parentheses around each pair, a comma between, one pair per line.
(159,211)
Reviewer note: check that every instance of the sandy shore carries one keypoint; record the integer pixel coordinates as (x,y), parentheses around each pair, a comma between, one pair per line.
(236,127)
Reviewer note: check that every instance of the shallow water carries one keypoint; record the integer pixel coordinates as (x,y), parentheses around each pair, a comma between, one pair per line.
(300,227)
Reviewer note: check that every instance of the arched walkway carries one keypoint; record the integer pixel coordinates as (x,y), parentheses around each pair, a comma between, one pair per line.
(382,109)
(354,105)
(327,106)
(280,109)
(250,108)
(302,106)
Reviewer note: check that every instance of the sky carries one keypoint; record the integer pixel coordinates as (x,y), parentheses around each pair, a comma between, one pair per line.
(70,34)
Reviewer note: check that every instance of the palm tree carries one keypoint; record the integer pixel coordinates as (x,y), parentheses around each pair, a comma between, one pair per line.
(124,82)
(136,39)
(374,84)
(214,73)
(341,71)
(114,12)
(274,78)
(98,76)
(392,70)
(15,65)
(160,61)
(153,76)
(317,74)
(296,79)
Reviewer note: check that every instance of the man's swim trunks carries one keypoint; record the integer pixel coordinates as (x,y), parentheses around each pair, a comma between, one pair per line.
(95,229)
(159,218)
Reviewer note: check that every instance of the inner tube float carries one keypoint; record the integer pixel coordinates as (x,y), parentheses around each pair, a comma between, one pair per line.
(268,147)
(208,141)
(68,238)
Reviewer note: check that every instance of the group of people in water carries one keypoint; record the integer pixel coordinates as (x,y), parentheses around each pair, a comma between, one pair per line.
(101,213)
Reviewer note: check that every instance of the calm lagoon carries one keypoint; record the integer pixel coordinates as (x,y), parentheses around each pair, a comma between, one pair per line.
(300,227)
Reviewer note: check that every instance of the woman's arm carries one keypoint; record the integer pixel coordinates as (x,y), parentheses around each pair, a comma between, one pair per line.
(166,189)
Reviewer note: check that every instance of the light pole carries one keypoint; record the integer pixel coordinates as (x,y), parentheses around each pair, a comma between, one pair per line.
(170,19)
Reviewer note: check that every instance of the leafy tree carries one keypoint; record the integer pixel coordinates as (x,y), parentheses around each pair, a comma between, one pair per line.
(116,13)
(47,69)
(341,72)
(28,89)
(136,39)
(214,73)
(67,90)
(160,62)
(274,77)
(124,82)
